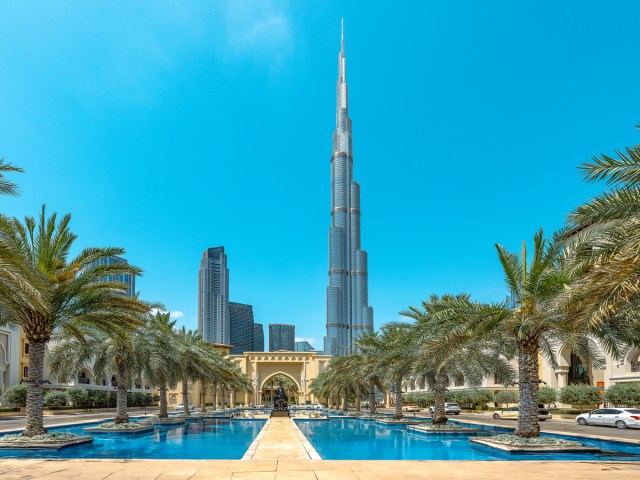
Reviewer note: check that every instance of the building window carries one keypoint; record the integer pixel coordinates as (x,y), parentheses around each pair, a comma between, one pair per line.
(25,372)
(26,349)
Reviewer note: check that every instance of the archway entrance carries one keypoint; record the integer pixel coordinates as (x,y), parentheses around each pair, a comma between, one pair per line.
(578,372)
(272,383)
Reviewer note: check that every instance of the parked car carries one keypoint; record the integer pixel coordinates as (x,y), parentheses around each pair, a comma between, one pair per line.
(180,408)
(412,408)
(317,405)
(611,417)
(512,414)
(453,408)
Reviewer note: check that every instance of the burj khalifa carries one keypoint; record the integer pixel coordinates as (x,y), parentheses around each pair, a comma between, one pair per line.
(348,312)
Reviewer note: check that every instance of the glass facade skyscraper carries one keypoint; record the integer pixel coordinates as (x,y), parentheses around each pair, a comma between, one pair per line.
(348,312)
(258,337)
(241,336)
(127,279)
(213,296)
(282,337)
(304,346)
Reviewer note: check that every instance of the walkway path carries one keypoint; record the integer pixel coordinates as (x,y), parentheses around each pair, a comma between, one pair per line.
(281,439)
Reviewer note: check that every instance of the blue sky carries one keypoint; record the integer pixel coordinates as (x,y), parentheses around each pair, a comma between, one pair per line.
(169,127)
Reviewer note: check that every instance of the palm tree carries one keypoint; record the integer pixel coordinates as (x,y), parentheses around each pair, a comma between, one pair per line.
(447,350)
(72,294)
(398,355)
(603,239)
(7,187)
(369,351)
(109,354)
(158,353)
(193,360)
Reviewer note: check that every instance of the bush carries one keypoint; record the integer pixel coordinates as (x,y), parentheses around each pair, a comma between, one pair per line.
(79,396)
(470,398)
(547,395)
(580,395)
(422,399)
(55,398)
(623,394)
(9,409)
(98,398)
(506,397)
(16,394)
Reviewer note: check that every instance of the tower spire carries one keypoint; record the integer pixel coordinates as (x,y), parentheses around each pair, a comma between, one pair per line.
(342,37)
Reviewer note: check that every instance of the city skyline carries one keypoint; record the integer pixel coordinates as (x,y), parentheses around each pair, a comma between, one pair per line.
(205,126)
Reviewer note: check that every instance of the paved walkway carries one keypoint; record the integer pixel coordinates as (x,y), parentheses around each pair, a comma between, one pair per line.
(281,439)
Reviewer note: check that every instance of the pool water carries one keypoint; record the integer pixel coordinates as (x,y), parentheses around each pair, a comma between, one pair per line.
(353,439)
(202,439)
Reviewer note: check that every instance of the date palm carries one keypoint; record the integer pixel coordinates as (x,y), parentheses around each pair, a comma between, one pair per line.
(7,187)
(72,294)
(604,239)
(369,350)
(447,350)
(158,354)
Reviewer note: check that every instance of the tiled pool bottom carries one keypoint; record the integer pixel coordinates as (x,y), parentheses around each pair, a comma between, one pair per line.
(353,439)
(202,439)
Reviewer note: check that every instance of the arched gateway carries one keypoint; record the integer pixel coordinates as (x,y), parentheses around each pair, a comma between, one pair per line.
(300,367)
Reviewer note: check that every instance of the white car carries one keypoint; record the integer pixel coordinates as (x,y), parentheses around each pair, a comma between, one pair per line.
(180,408)
(448,408)
(611,417)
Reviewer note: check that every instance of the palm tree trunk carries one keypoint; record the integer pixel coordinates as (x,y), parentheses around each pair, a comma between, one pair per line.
(439,413)
(121,393)
(163,401)
(358,409)
(203,397)
(35,401)
(528,426)
(372,397)
(185,396)
(215,396)
(344,403)
(398,399)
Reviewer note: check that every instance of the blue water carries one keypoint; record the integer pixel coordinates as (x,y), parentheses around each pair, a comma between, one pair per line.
(353,439)
(202,439)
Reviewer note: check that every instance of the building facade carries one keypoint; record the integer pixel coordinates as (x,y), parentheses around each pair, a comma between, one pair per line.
(242,328)
(281,337)
(348,312)
(125,278)
(258,337)
(213,296)
(304,346)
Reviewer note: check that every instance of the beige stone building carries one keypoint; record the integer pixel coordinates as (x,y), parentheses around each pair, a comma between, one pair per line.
(301,367)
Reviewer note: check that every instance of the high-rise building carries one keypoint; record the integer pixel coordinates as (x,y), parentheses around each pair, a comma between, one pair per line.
(281,337)
(213,296)
(348,312)
(241,335)
(127,279)
(258,337)
(304,346)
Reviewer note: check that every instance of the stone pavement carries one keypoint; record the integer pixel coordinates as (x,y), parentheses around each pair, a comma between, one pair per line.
(281,439)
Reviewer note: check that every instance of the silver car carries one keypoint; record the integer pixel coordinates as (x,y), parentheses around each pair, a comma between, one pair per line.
(453,408)
(611,417)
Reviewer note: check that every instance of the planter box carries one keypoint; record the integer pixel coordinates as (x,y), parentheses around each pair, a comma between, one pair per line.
(463,430)
(404,421)
(534,448)
(47,445)
(164,421)
(140,429)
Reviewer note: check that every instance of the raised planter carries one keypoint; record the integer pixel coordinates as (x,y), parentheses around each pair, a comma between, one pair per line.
(54,441)
(562,446)
(404,421)
(447,428)
(126,428)
(164,421)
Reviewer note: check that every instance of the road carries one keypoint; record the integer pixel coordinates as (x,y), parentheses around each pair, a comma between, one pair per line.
(8,424)
(560,426)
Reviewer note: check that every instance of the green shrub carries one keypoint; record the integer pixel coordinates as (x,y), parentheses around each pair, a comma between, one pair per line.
(55,398)
(547,395)
(79,396)
(580,395)
(623,394)
(9,409)
(16,394)
(506,397)
(98,398)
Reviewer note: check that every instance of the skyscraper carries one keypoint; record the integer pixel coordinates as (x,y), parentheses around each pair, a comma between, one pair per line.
(258,337)
(281,337)
(241,335)
(127,279)
(348,312)
(213,296)
(304,346)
